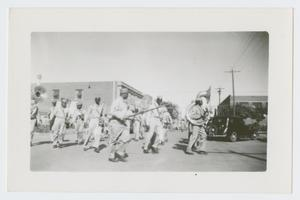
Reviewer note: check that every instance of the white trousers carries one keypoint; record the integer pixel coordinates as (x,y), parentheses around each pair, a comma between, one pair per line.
(94,130)
(58,129)
(155,126)
(79,129)
(32,128)
(198,136)
(136,129)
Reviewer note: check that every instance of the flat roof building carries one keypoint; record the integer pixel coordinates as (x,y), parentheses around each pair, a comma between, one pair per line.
(86,92)
(225,108)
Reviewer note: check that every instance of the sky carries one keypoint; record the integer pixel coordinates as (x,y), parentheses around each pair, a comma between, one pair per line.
(174,65)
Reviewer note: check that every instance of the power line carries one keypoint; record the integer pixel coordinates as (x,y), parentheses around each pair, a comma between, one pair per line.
(249,41)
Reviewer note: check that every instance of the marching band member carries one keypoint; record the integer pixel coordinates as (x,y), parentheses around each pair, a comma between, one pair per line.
(58,128)
(154,134)
(78,116)
(166,120)
(93,118)
(197,116)
(120,136)
(34,112)
(137,126)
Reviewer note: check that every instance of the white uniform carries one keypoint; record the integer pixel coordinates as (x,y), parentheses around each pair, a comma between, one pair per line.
(79,123)
(137,127)
(152,119)
(58,127)
(106,127)
(51,116)
(166,121)
(34,114)
(94,114)
(198,114)
(119,129)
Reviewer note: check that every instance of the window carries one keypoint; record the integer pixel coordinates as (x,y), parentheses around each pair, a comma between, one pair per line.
(55,93)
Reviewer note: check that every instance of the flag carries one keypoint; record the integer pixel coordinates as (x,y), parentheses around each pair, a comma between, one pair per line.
(208,93)
(205,93)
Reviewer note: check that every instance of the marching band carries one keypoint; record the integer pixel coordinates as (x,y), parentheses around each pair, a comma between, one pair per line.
(150,122)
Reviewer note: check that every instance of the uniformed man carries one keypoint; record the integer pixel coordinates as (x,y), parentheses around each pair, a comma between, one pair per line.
(34,112)
(94,119)
(106,126)
(162,114)
(155,132)
(197,117)
(119,130)
(130,121)
(58,128)
(69,116)
(51,120)
(78,116)
(137,126)
(167,121)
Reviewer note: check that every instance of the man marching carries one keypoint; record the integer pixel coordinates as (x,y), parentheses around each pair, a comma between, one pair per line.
(155,133)
(58,128)
(197,117)
(79,122)
(34,111)
(51,120)
(137,126)
(94,118)
(167,121)
(119,130)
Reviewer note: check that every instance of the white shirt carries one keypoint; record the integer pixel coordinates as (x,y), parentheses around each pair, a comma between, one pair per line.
(95,111)
(77,113)
(59,112)
(119,108)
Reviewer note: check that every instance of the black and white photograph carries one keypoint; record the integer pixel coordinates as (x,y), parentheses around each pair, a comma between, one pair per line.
(149,101)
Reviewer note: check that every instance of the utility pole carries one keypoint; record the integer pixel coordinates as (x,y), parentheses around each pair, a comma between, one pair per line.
(232,71)
(219,90)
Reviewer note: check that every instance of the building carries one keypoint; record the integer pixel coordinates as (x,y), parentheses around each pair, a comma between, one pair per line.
(86,92)
(225,108)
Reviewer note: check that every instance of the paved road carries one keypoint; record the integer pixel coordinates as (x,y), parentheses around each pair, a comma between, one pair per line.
(222,156)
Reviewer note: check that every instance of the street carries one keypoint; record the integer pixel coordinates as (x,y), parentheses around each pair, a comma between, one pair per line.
(247,155)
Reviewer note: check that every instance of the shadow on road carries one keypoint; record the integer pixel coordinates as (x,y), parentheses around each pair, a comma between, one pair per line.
(68,144)
(180,147)
(183,141)
(41,143)
(102,146)
(182,144)
(250,156)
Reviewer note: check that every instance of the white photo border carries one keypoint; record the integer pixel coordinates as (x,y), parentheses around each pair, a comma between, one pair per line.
(277,22)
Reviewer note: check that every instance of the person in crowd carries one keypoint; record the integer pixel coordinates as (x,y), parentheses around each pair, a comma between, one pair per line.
(137,125)
(94,118)
(34,117)
(120,135)
(167,121)
(197,117)
(78,116)
(154,131)
(51,120)
(59,124)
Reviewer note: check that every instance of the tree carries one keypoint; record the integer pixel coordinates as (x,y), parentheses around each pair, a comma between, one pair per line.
(250,111)
(172,109)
